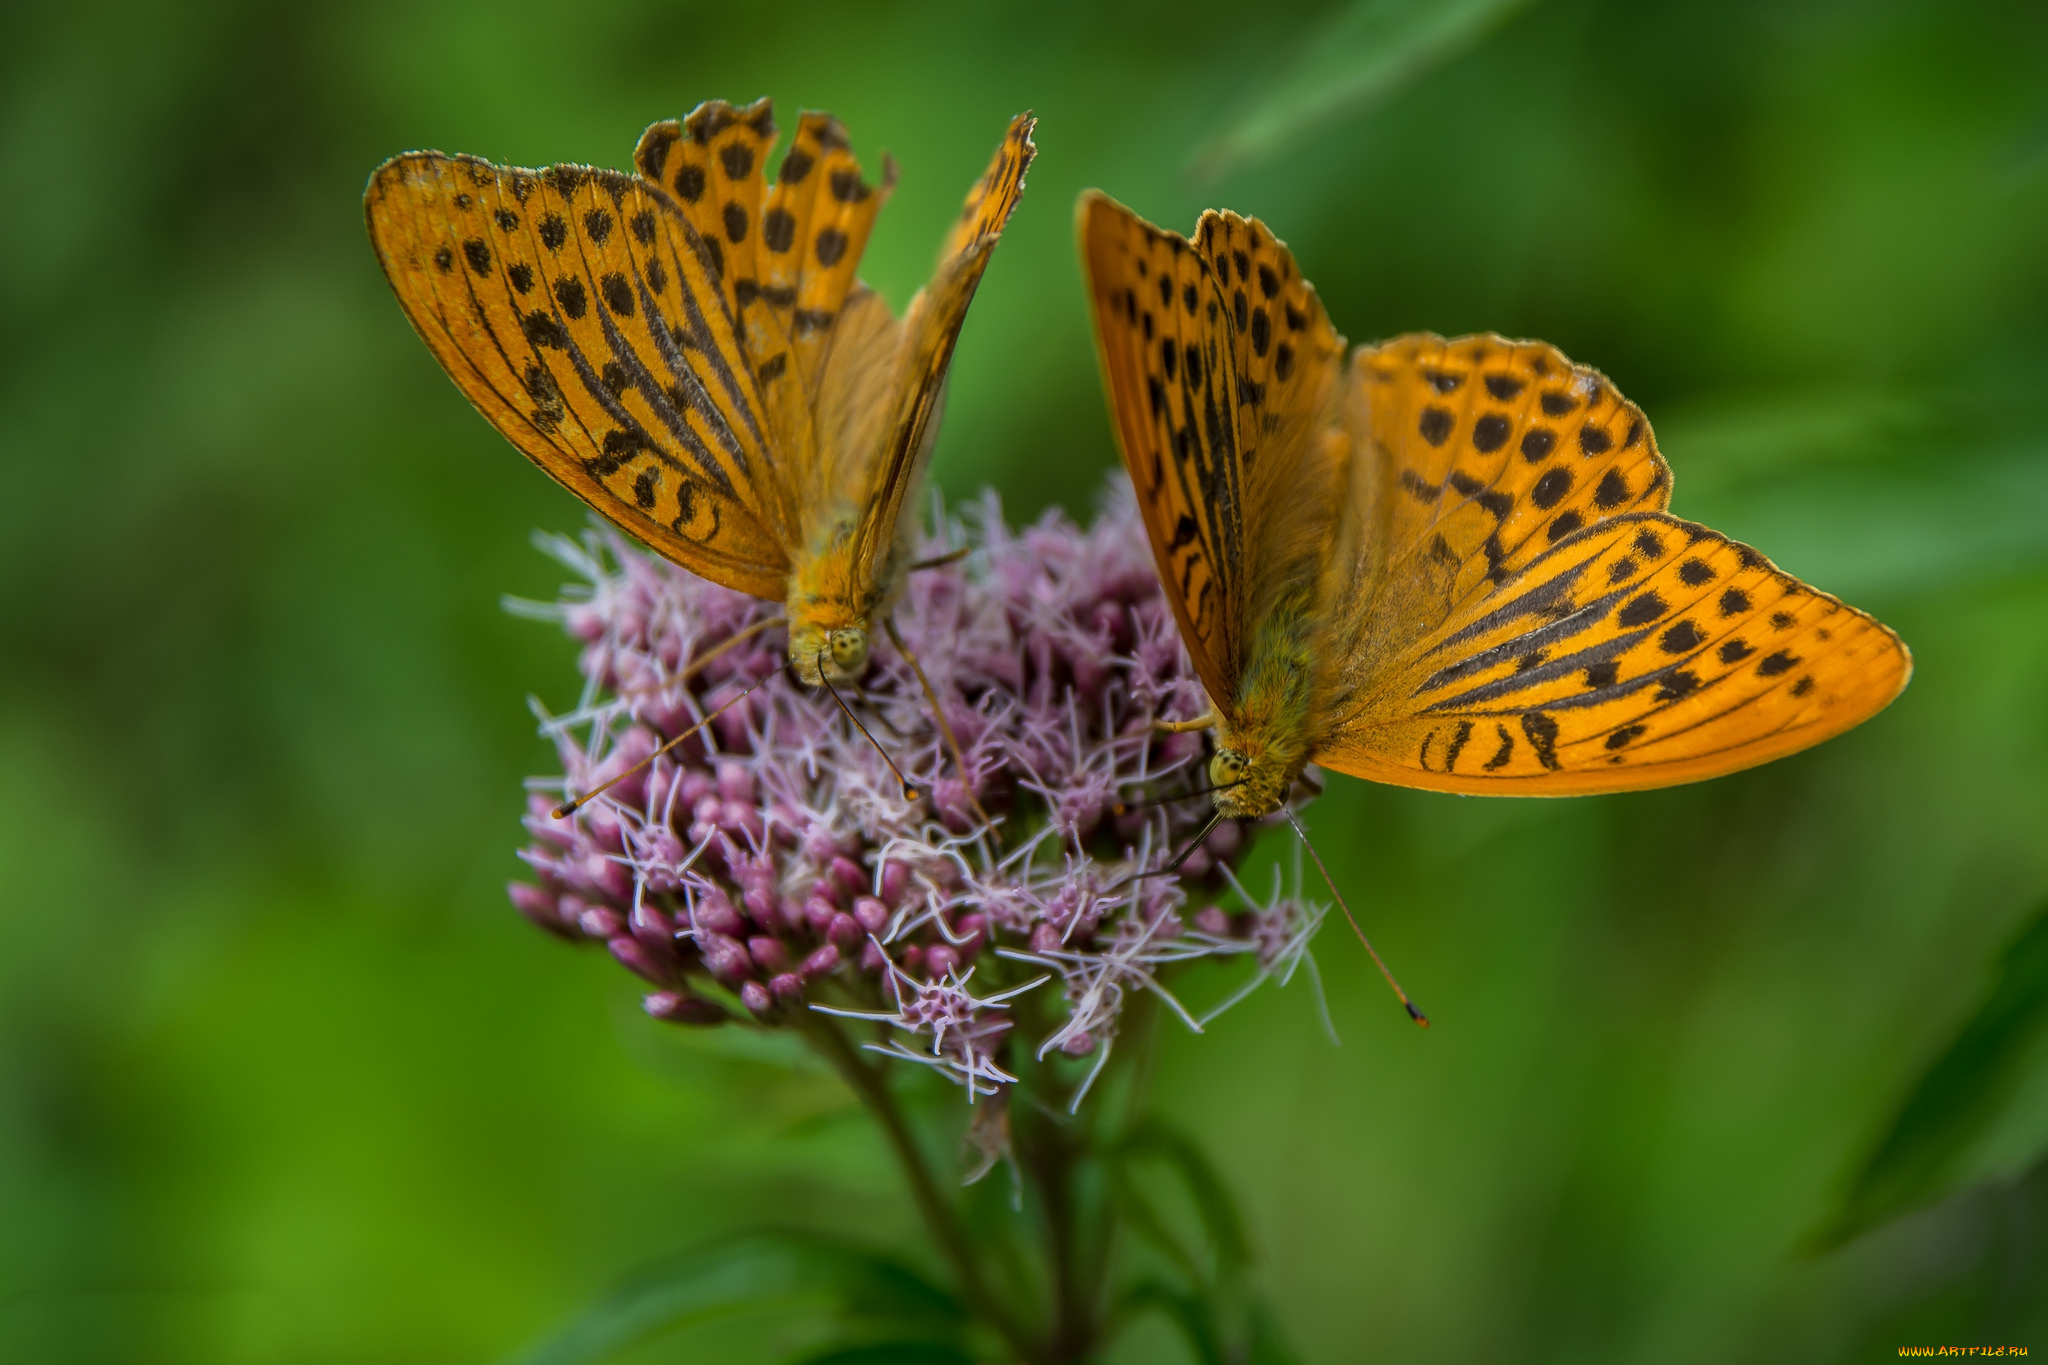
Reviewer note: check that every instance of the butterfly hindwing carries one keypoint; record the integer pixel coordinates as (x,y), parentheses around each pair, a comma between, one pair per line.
(583,316)
(1536,623)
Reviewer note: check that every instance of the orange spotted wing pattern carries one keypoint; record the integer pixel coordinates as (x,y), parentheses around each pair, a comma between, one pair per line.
(1496,600)
(580,313)
(1574,636)
(688,349)
(1215,419)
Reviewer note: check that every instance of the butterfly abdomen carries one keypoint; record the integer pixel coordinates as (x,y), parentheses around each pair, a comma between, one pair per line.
(1264,739)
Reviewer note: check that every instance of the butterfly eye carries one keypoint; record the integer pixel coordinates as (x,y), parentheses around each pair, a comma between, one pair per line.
(849,649)
(1226,767)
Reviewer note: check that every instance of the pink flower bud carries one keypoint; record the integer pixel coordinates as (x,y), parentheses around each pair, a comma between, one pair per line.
(895,878)
(735,783)
(940,959)
(844,930)
(600,921)
(756,998)
(539,905)
(633,955)
(871,913)
(847,877)
(1078,1045)
(872,958)
(1213,922)
(819,913)
(725,958)
(1044,938)
(769,954)
(715,913)
(651,927)
(680,1007)
(821,961)
(972,931)
(787,987)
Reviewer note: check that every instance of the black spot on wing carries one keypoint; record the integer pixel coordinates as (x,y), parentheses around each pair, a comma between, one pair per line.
(1641,610)
(1620,738)
(1551,488)
(1457,744)
(569,292)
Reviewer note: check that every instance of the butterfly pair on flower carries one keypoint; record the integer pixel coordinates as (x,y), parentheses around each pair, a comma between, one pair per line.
(1438,564)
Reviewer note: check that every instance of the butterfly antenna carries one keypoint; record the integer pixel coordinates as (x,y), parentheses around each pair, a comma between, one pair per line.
(938,714)
(569,808)
(1413,1013)
(910,791)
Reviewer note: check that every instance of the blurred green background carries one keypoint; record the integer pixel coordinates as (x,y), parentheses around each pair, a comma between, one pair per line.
(282,1078)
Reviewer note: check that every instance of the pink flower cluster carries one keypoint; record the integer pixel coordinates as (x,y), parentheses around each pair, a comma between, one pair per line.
(773,862)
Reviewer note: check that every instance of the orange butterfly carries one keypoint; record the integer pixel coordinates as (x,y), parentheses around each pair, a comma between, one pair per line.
(688,351)
(1445,564)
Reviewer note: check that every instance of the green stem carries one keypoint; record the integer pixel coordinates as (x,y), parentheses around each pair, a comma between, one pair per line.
(939,1214)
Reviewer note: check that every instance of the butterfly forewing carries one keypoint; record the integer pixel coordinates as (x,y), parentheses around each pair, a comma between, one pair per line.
(1163,336)
(929,332)
(1288,361)
(575,309)
(1535,622)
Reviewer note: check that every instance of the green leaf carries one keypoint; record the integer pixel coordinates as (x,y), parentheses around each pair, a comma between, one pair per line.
(1957,1100)
(1154,1141)
(1187,1312)
(890,1353)
(757,1272)
(1365,53)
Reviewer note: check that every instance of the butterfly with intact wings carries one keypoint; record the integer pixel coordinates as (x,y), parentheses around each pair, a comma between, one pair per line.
(1439,564)
(687,348)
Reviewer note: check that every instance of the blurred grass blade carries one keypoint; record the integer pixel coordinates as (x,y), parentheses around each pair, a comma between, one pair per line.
(1958,1098)
(758,1272)
(1363,53)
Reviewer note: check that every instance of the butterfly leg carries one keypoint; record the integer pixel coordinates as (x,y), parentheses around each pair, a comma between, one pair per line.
(860,694)
(737,638)
(1215,819)
(1205,721)
(941,561)
(939,715)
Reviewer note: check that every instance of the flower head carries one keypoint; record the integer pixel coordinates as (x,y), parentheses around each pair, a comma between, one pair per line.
(773,858)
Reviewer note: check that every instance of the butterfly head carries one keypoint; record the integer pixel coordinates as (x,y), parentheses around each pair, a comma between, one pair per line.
(1251,778)
(821,650)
